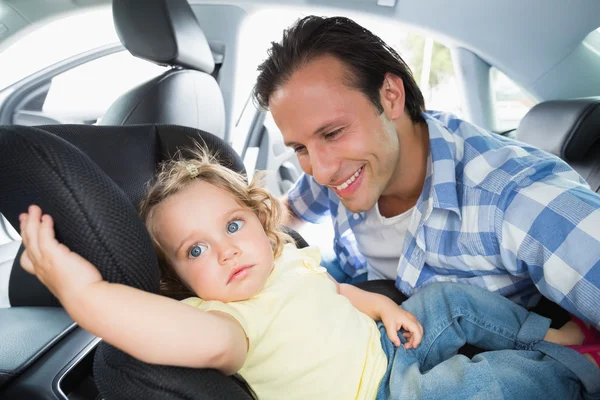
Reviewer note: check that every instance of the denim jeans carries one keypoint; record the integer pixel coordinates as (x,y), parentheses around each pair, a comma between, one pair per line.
(521,365)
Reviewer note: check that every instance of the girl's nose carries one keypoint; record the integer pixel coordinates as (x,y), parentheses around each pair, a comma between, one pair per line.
(228,251)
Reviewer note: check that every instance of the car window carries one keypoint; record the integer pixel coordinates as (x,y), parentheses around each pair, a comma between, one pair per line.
(511,103)
(55,41)
(592,40)
(84,93)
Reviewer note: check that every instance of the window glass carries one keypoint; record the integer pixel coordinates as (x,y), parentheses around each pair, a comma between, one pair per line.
(431,63)
(511,103)
(84,93)
(81,94)
(593,41)
(55,41)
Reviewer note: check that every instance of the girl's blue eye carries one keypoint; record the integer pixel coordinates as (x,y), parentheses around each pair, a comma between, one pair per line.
(197,250)
(235,226)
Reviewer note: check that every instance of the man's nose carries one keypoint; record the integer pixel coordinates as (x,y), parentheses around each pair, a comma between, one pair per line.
(322,165)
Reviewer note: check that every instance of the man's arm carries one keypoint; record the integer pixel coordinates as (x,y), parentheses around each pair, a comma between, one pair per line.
(290,219)
(306,201)
(551,230)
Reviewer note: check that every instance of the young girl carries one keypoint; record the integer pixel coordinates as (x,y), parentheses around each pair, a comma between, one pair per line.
(256,305)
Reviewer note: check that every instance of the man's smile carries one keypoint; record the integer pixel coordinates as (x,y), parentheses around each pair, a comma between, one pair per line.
(348,187)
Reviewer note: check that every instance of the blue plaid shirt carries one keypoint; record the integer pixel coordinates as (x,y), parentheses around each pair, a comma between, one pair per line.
(494,212)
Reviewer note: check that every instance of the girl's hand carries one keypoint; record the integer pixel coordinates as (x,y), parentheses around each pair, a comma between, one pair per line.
(395,318)
(65,273)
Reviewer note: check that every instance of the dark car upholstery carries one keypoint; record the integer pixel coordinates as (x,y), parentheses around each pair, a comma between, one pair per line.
(569,129)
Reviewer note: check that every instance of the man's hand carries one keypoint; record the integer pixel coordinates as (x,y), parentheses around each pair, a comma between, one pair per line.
(395,318)
(288,216)
(65,273)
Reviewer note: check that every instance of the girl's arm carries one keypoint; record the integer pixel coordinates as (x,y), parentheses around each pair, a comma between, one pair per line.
(151,328)
(381,308)
(159,330)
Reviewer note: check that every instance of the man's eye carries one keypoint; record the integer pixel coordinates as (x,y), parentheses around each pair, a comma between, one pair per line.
(235,226)
(197,250)
(333,134)
(299,149)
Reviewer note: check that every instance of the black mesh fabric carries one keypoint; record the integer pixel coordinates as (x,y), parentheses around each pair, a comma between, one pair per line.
(129,154)
(122,377)
(98,220)
(92,214)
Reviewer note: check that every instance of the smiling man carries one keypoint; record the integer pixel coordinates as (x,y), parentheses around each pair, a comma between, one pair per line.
(419,196)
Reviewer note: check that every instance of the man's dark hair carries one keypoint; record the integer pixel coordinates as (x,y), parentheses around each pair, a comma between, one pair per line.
(367,57)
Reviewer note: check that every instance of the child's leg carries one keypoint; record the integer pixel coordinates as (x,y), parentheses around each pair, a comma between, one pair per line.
(453,314)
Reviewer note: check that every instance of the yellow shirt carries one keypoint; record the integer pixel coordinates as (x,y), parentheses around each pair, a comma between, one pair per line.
(305,340)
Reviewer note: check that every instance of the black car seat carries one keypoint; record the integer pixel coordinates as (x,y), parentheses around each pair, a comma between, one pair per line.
(89,178)
(166,32)
(569,129)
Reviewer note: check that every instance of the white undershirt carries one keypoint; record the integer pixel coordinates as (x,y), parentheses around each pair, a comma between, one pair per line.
(380,240)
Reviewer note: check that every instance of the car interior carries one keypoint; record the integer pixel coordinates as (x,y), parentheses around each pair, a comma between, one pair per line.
(90,177)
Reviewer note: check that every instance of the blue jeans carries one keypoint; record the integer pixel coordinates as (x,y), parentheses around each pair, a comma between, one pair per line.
(522,365)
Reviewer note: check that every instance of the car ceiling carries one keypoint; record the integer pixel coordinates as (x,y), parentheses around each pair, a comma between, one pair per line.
(536,42)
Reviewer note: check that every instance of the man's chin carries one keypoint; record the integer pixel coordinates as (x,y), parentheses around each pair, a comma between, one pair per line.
(358,205)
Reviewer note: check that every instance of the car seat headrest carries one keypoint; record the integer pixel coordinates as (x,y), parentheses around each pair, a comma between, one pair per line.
(565,128)
(165,32)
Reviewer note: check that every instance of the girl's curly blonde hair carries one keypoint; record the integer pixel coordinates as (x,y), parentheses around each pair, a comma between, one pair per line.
(176,174)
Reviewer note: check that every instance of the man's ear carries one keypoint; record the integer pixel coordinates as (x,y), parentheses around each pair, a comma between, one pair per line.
(392,96)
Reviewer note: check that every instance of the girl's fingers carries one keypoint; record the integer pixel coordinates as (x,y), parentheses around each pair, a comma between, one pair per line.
(413,333)
(37,232)
(26,263)
(22,221)
(392,333)
(417,333)
(23,228)
(47,241)
(31,230)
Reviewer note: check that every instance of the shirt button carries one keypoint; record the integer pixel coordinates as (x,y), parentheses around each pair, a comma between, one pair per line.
(356,216)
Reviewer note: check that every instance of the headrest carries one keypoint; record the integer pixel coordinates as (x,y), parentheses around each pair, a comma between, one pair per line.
(181,97)
(165,32)
(565,128)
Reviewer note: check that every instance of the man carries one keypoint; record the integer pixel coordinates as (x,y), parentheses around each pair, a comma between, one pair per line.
(418,196)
